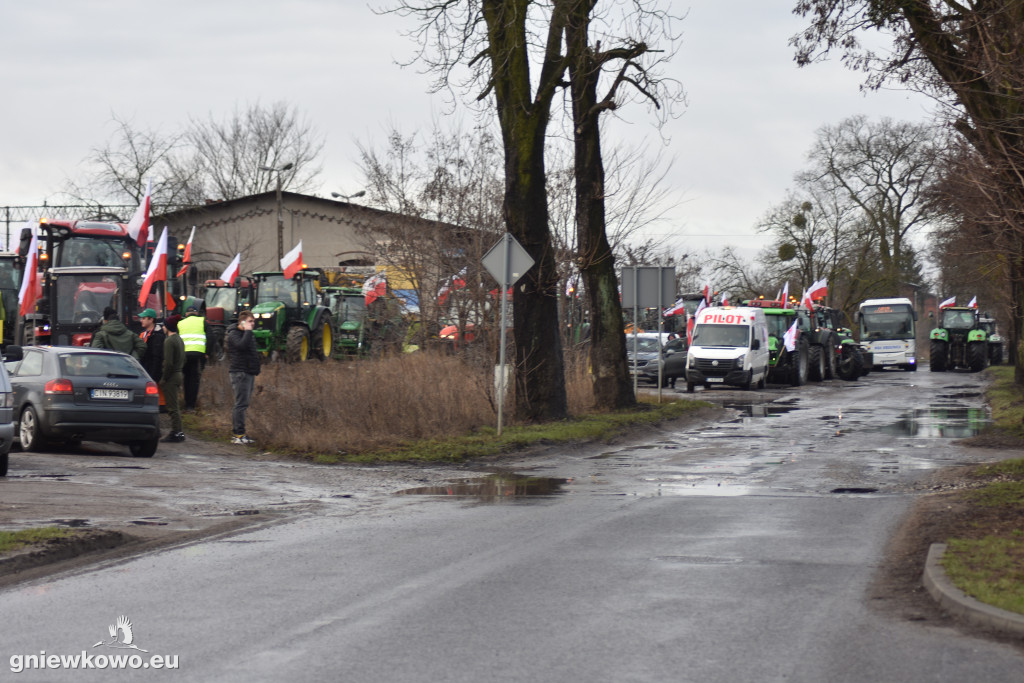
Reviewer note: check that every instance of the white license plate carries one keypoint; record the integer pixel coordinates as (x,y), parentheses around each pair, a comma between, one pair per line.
(118,394)
(713,380)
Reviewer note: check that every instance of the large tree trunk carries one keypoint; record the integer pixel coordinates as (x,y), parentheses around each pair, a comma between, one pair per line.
(612,384)
(540,372)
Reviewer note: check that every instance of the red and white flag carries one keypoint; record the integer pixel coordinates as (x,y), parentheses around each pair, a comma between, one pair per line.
(785,295)
(157,268)
(816,291)
(974,302)
(725,299)
(186,258)
(789,339)
(138,226)
(375,287)
(30,279)
(675,309)
(231,272)
(292,261)
(707,291)
(951,301)
(457,281)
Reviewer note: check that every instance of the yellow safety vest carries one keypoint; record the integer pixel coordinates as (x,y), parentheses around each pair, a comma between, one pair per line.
(192,333)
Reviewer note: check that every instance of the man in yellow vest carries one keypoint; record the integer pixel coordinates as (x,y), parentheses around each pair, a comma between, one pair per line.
(192,329)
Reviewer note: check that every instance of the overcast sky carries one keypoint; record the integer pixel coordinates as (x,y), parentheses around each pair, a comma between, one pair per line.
(69,66)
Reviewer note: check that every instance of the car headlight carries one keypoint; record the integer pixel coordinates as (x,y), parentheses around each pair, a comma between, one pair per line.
(690,360)
(740,359)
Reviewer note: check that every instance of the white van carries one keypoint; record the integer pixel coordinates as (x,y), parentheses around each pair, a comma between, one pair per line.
(729,346)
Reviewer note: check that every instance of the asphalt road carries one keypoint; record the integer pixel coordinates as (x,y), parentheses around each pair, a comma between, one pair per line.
(733,550)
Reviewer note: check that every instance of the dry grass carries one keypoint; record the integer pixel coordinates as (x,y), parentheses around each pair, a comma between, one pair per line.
(358,406)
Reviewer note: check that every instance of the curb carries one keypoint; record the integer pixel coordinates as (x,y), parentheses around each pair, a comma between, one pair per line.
(961,604)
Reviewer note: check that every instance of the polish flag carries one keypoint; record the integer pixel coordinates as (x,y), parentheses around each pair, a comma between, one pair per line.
(138,226)
(292,261)
(974,302)
(157,268)
(375,287)
(816,291)
(725,299)
(690,323)
(675,309)
(457,281)
(186,258)
(790,337)
(785,295)
(951,301)
(231,272)
(30,280)
(707,292)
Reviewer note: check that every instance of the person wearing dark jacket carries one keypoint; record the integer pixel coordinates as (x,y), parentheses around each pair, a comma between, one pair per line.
(115,336)
(243,366)
(153,335)
(171,378)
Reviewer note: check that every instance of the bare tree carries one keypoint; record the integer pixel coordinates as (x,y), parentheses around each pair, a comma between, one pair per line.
(232,152)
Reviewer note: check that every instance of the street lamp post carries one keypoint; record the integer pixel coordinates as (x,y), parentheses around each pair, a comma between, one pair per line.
(280,210)
(347,197)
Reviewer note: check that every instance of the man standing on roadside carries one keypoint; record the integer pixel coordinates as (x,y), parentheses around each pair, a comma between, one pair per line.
(243,366)
(153,335)
(192,329)
(115,336)
(171,380)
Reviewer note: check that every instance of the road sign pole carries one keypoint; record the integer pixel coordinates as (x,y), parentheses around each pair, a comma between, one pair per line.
(504,322)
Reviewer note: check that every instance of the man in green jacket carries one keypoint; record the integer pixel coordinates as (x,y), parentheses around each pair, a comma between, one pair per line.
(171,379)
(114,335)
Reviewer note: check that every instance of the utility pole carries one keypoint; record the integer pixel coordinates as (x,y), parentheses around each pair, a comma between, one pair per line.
(280,208)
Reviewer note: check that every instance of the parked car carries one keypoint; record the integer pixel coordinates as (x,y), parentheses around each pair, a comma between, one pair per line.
(6,421)
(645,365)
(74,394)
(674,355)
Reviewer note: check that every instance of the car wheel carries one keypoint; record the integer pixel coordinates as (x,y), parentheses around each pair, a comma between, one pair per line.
(144,449)
(28,430)
(3,464)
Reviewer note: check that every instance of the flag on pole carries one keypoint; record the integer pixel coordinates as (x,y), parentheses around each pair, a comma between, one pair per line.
(691,321)
(951,301)
(292,261)
(707,291)
(675,309)
(974,302)
(138,226)
(790,337)
(725,299)
(375,287)
(816,291)
(457,281)
(785,295)
(157,268)
(186,259)
(231,272)
(30,279)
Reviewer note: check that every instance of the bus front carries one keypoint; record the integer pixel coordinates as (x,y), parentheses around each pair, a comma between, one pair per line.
(888,330)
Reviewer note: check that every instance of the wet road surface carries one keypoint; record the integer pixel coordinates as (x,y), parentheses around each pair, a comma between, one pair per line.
(739,550)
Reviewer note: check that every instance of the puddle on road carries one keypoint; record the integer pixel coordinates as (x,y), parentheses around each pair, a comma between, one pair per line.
(955,422)
(750,410)
(494,488)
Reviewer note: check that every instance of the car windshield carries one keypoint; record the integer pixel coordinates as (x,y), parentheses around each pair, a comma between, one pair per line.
(643,345)
(98,365)
(721,335)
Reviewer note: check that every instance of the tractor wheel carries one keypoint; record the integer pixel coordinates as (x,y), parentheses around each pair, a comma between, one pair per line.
(297,345)
(939,355)
(977,356)
(322,339)
(995,354)
(217,345)
(851,363)
(829,351)
(816,363)
(798,364)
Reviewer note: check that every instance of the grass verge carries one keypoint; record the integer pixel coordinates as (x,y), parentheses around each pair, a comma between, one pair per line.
(986,558)
(15,540)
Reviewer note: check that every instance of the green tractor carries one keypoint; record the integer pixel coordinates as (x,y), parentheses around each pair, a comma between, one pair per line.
(823,342)
(959,341)
(850,358)
(784,365)
(995,340)
(290,320)
(348,307)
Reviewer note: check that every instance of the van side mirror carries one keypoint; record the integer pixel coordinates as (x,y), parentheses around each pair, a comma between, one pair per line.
(755,345)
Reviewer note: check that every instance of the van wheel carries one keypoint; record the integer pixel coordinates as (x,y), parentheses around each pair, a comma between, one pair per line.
(746,384)
(689,387)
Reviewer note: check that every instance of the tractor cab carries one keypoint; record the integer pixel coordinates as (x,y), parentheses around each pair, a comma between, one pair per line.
(290,320)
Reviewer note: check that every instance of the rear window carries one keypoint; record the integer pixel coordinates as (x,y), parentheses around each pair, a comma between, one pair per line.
(98,365)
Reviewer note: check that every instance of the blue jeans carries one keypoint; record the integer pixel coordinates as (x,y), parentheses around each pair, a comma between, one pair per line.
(242,383)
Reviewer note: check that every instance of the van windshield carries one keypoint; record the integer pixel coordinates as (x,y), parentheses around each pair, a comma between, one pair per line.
(721,335)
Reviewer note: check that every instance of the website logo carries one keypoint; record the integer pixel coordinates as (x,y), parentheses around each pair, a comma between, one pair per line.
(121,636)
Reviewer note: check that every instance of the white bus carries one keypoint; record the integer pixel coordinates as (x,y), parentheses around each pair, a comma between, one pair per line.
(888,330)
